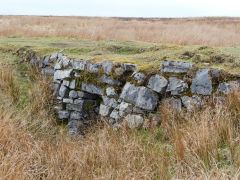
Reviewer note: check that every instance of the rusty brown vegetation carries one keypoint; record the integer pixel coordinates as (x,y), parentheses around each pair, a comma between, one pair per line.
(184,31)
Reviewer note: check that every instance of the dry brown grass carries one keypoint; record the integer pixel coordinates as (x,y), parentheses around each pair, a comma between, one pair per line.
(183,31)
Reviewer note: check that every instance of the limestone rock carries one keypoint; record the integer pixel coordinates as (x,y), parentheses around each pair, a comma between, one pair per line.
(73,94)
(202,83)
(115,115)
(65,61)
(53,57)
(109,80)
(110,102)
(134,121)
(111,92)
(175,104)
(130,93)
(65,83)
(72,84)
(93,67)
(67,100)
(63,91)
(157,83)
(63,114)
(75,107)
(176,86)
(126,107)
(62,74)
(176,66)
(107,67)
(79,65)
(104,110)
(139,77)
(140,96)
(34,62)
(75,115)
(91,88)
(58,65)
(146,99)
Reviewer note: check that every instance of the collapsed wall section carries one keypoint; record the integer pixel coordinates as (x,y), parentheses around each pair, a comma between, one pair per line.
(87,91)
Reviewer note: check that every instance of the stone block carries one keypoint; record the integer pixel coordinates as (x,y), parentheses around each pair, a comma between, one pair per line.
(157,83)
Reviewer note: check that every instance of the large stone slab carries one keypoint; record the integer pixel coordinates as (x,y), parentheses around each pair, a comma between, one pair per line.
(176,66)
(91,88)
(111,102)
(157,83)
(62,74)
(63,91)
(146,99)
(202,83)
(130,93)
(140,96)
(176,86)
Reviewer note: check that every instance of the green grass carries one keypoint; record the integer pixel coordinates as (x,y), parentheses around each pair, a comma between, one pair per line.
(147,55)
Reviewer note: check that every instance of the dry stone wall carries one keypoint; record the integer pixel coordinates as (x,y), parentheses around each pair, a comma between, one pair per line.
(87,91)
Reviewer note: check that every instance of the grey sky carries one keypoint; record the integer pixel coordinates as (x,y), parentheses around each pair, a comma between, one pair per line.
(123,8)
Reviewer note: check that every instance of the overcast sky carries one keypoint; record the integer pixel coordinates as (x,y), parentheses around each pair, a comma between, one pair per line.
(123,8)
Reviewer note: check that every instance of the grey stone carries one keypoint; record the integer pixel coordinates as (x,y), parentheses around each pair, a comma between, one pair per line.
(107,67)
(111,92)
(58,65)
(48,71)
(134,121)
(72,84)
(116,126)
(139,77)
(91,88)
(126,107)
(191,102)
(53,57)
(176,86)
(146,99)
(67,100)
(110,102)
(73,94)
(129,67)
(228,87)
(157,83)
(176,66)
(130,93)
(93,67)
(79,65)
(75,107)
(63,91)
(140,96)
(65,83)
(104,110)
(202,83)
(114,114)
(62,74)
(63,114)
(65,61)
(75,115)
(109,80)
